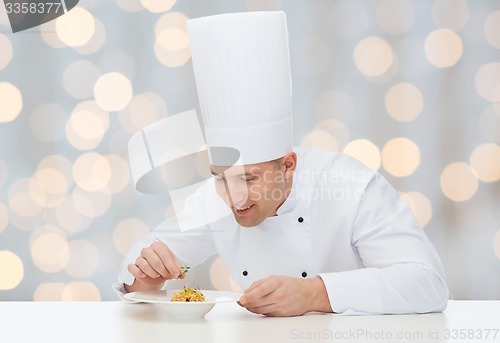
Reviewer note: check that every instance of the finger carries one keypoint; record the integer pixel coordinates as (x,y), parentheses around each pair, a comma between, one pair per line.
(155,262)
(255,284)
(257,295)
(135,271)
(169,260)
(146,268)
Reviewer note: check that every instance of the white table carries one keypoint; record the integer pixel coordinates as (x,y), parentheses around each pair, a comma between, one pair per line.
(106,322)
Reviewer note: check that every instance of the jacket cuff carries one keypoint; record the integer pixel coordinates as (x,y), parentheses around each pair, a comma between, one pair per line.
(349,292)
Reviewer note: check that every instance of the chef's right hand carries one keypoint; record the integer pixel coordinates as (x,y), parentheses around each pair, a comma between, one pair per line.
(153,267)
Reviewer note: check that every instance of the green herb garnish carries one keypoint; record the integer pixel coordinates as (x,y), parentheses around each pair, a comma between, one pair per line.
(185,269)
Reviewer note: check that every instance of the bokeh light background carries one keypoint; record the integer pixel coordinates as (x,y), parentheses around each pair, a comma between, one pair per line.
(411,88)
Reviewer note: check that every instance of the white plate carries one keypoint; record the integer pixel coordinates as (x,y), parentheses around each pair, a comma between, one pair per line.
(183,310)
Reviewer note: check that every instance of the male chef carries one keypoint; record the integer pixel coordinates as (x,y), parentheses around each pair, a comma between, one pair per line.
(308,229)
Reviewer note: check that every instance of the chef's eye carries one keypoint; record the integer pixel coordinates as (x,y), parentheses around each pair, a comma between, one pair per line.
(248,179)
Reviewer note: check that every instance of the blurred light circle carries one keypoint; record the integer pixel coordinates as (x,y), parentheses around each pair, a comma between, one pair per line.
(337,130)
(84,259)
(171,20)
(404,102)
(373,56)
(452,14)
(87,125)
(144,109)
(315,57)
(400,157)
(485,159)
(488,81)
(69,218)
(20,200)
(173,39)
(51,180)
(319,139)
(49,291)
(48,187)
(334,104)
(91,172)
(420,206)
(4,217)
(443,48)
(459,181)
(59,163)
(130,5)
(92,204)
(113,91)
(47,122)
(348,20)
(364,151)
(491,29)
(171,59)
(6,49)
(489,124)
(11,269)
(39,195)
(120,175)
(50,252)
(395,16)
(79,78)
(76,27)
(81,291)
(496,244)
(11,100)
(128,232)
(172,26)
(26,223)
(264,5)
(156,6)
(96,41)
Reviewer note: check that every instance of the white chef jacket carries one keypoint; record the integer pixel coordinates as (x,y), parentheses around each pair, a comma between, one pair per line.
(342,222)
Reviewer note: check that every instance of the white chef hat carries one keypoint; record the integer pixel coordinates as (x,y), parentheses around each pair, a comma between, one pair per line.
(242,68)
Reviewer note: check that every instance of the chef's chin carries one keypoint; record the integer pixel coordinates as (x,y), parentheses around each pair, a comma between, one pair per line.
(247,222)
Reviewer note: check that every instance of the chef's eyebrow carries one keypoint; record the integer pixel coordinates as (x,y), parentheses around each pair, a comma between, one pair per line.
(245,174)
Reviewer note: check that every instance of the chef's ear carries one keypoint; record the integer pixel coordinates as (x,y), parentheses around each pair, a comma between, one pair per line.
(289,161)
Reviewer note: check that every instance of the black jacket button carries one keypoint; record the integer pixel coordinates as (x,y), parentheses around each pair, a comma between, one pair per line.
(304,274)
(245,273)
(300,219)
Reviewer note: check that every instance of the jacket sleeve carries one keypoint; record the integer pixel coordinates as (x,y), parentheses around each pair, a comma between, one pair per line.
(402,272)
(191,247)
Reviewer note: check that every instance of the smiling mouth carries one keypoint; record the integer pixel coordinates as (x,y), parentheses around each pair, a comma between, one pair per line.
(243,210)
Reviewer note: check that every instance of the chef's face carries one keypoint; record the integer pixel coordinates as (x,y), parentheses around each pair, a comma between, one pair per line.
(255,191)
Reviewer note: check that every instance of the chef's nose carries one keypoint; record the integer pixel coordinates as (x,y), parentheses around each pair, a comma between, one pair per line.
(237,192)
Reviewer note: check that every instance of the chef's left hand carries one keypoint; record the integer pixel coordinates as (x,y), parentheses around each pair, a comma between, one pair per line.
(284,296)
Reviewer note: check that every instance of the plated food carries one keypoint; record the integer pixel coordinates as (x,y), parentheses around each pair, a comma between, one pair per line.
(183,309)
(188,295)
